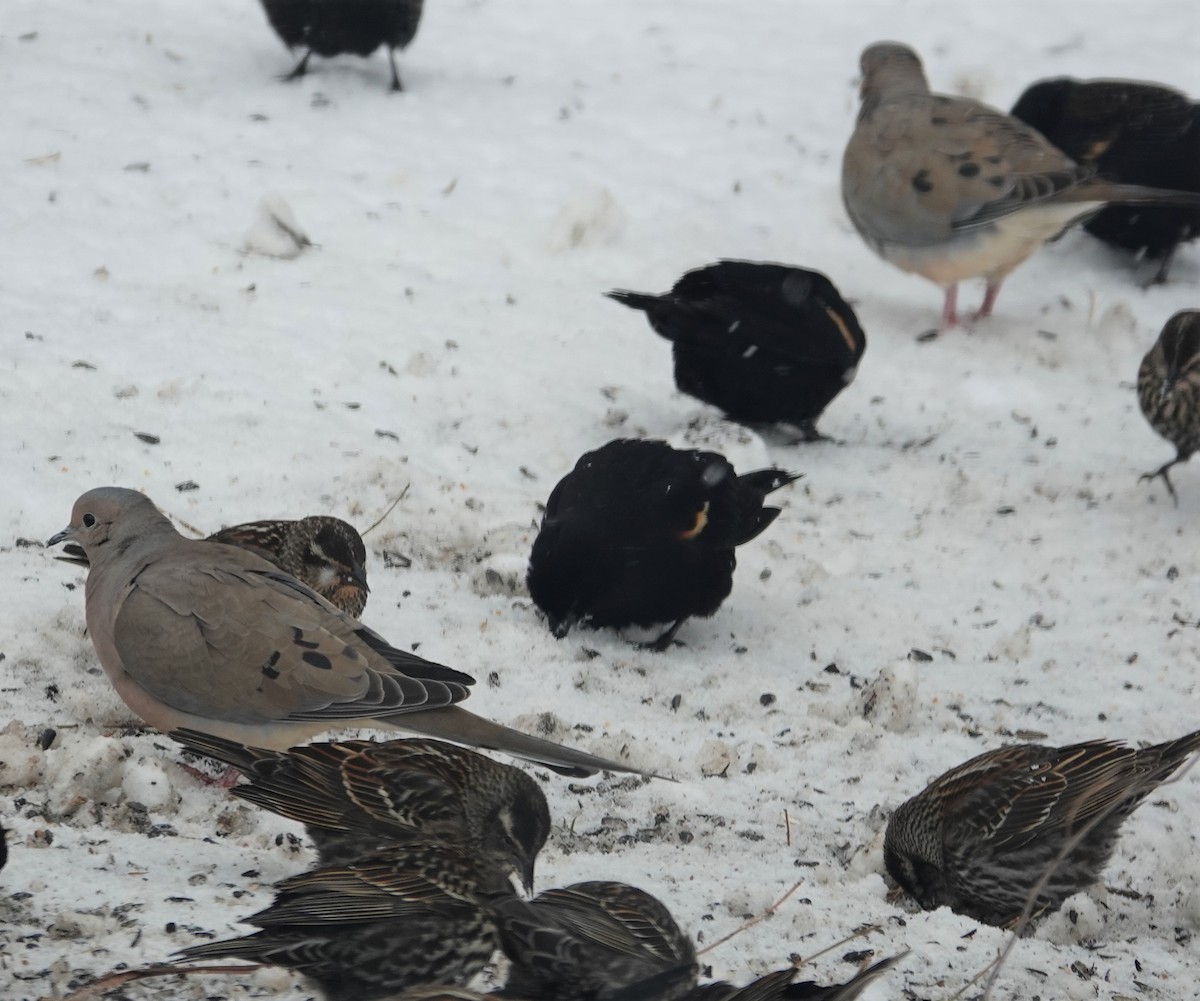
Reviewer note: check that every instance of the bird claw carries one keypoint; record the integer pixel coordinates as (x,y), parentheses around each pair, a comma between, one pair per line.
(1162,474)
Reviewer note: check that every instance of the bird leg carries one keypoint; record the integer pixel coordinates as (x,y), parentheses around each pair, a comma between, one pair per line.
(1160,276)
(226,779)
(1162,472)
(300,70)
(665,640)
(809,433)
(989,299)
(950,309)
(396,86)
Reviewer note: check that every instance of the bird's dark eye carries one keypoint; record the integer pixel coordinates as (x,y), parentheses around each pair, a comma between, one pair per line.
(88,520)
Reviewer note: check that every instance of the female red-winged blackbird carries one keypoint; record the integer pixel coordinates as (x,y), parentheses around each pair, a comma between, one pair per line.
(412,914)
(1169,389)
(766,343)
(640,533)
(354,796)
(592,941)
(778,986)
(1132,132)
(332,27)
(325,553)
(981,836)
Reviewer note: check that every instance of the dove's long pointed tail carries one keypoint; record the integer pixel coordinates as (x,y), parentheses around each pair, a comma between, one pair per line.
(456,724)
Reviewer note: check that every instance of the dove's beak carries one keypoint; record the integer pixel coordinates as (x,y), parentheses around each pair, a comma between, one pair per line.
(66,533)
(71,554)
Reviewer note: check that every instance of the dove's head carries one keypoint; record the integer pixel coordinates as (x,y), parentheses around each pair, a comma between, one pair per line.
(890,70)
(105,521)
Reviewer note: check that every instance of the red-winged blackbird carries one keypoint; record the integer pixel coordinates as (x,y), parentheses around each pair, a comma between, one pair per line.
(640,533)
(333,27)
(325,553)
(766,343)
(591,941)
(354,796)
(981,836)
(408,915)
(778,986)
(1132,132)
(1169,389)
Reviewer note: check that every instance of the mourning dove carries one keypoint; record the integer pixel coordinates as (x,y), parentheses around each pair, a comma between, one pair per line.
(204,636)
(357,795)
(949,188)
(325,553)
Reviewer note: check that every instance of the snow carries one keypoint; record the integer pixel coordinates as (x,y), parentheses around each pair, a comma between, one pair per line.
(446,335)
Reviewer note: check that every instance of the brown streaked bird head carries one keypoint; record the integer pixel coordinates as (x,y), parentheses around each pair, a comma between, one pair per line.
(335,557)
(323,552)
(1180,342)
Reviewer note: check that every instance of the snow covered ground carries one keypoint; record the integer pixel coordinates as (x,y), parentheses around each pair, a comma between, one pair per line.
(447,335)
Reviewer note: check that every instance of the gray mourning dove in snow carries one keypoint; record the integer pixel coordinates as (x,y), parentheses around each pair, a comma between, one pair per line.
(949,188)
(210,637)
(325,553)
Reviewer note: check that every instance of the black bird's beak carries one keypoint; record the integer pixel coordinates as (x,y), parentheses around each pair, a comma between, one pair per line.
(526,875)
(560,627)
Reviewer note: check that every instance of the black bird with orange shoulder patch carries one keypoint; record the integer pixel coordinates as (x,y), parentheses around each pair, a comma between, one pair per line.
(766,343)
(1133,132)
(333,27)
(640,533)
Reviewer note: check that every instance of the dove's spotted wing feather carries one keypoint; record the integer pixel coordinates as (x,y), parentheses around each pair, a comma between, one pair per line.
(217,618)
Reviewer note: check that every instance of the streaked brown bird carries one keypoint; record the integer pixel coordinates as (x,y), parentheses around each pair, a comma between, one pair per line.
(333,27)
(1168,387)
(408,915)
(766,343)
(590,941)
(982,835)
(325,553)
(640,533)
(779,986)
(354,796)
(1133,132)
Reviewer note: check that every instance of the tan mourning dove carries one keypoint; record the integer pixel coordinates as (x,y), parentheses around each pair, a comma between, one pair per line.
(949,188)
(210,637)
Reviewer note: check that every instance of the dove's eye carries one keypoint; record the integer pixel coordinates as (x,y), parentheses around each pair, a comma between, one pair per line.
(88,520)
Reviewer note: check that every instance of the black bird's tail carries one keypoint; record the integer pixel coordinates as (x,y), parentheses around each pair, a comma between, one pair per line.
(752,490)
